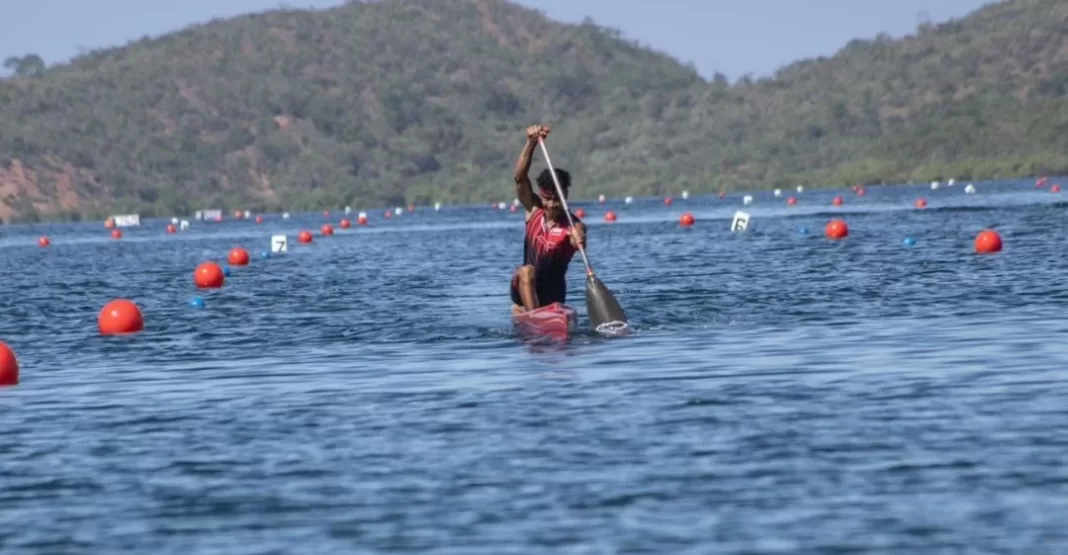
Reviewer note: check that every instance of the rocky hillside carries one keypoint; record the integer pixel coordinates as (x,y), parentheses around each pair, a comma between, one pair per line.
(422,100)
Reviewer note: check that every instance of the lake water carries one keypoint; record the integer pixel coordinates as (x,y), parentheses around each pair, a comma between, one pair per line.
(781,393)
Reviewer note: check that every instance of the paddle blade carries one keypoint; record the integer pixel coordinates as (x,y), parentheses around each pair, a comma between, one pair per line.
(606,316)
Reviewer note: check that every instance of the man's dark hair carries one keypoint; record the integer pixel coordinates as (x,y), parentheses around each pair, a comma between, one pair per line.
(545,180)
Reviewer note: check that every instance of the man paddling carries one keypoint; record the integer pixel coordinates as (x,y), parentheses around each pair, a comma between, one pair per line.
(550,242)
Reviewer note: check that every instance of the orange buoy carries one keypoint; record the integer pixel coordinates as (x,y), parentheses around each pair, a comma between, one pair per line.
(259,219)
(345,223)
(921,203)
(120,316)
(988,241)
(327,229)
(609,216)
(668,201)
(43,241)
(116,234)
(580,213)
(686,220)
(9,366)
(836,229)
(362,220)
(171,228)
(1056,188)
(837,200)
(304,237)
(238,256)
(109,223)
(791,201)
(209,275)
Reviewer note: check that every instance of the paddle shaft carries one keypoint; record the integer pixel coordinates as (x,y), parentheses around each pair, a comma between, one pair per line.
(563,201)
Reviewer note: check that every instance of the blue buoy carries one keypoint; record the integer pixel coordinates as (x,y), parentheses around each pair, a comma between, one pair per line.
(196,302)
(226,270)
(265,254)
(909,241)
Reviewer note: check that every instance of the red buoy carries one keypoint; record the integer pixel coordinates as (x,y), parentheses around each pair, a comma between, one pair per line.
(362,220)
(791,201)
(259,219)
(988,241)
(668,201)
(209,275)
(580,213)
(836,229)
(327,230)
(305,237)
(116,234)
(345,223)
(109,223)
(686,220)
(120,316)
(921,203)
(609,216)
(1056,188)
(838,200)
(171,228)
(238,256)
(9,366)
(861,191)
(43,241)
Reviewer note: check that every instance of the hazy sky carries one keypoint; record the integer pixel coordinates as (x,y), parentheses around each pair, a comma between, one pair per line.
(733,37)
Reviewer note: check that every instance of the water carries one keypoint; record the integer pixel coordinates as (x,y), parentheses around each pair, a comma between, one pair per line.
(781,393)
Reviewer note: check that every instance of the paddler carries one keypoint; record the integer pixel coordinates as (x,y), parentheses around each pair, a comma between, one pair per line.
(550,242)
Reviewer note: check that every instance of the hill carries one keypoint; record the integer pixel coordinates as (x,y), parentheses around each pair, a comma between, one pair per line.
(421,100)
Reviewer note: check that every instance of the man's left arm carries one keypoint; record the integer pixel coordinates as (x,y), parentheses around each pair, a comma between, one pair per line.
(578,235)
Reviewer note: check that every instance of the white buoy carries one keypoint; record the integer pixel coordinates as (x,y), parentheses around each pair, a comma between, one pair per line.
(685,195)
(362,215)
(174,221)
(398,210)
(935,185)
(437,206)
(348,210)
(184,225)
(501,206)
(515,202)
(628,200)
(248,214)
(740,221)
(279,243)
(600,199)
(969,189)
(778,192)
(951,182)
(747,199)
(285,215)
(800,188)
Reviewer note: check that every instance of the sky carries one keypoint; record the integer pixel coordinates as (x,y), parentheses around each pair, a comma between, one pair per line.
(733,37)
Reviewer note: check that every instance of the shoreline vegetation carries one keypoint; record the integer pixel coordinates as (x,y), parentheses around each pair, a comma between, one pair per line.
(421,101)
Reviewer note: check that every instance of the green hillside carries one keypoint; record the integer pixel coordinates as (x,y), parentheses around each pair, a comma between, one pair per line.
(425,100)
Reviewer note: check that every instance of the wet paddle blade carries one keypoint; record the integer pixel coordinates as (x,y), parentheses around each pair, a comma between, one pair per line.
(606,316)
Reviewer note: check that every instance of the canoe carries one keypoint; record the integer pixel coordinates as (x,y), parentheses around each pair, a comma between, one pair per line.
(554,321)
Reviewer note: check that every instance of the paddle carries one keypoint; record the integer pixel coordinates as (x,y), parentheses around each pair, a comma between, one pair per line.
(606,316)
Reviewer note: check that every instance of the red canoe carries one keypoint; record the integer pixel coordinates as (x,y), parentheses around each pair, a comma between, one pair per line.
(554,320)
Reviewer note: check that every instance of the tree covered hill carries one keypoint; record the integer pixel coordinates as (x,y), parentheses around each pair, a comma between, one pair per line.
(425,100)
